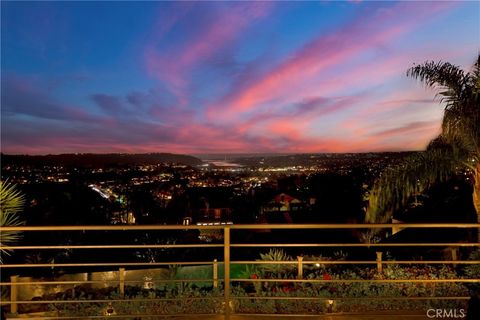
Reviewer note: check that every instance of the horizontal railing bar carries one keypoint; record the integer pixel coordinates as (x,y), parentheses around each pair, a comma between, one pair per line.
(236,315)
(110,228)
(361,280)
(29,302)
(242,226)
(235,279)
(123,316)
(47,265)
(240,245)
(101,264)
(20,283)
(449,244)
(305,262)
(354,225)
(121,246)
(328,316)
(107,300)
(348,298)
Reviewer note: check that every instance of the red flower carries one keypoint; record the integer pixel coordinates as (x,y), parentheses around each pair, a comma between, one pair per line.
(287,289)
(326,276)
(253,276)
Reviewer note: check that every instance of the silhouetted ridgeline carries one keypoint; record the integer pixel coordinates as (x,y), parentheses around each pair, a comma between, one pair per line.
(99,160)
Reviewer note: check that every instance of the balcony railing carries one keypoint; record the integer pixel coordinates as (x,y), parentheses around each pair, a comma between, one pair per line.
(302,290)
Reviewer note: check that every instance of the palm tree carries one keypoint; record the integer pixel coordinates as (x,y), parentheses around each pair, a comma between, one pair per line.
(456,148)
(11,203)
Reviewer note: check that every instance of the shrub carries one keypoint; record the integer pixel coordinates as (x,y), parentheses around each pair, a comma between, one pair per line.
(324,292)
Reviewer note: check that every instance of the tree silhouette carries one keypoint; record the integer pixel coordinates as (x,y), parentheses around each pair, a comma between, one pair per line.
(456,149)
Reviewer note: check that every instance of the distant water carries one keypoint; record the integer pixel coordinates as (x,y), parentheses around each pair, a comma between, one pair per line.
(223,163)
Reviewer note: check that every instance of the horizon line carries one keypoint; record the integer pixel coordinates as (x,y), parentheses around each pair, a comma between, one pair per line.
(204,154)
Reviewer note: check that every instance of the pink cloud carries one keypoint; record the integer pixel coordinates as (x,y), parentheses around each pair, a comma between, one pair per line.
(226,27)
(311,110)
(297,123)
(223,28)
(415,127)
(323,54)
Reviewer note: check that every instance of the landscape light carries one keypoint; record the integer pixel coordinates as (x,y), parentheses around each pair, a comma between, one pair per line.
(109,310)
(330,305)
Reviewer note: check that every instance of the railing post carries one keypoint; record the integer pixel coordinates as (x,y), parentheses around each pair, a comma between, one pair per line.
(379,261)
(13,294)
(454,255)
(226,270)
(121,276)
(215,273)
(300,267)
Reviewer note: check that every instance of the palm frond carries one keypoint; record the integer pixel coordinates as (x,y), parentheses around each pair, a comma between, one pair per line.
(397,184)
(463,131)
(476,72)
(444,76)
(11,199)
(11,203)
(457,146)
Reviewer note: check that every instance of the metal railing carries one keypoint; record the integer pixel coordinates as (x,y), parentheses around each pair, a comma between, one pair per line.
(224,300)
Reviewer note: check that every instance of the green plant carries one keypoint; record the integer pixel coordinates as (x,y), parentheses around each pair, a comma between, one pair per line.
(312,297)
(11,203)
(276,255)
(345,297)
(473,272)
(370,237)
(187,301)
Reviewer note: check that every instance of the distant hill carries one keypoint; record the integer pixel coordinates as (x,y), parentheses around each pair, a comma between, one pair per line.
(99,160)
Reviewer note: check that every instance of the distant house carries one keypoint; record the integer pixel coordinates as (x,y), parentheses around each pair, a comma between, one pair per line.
(281,208)
(281,203)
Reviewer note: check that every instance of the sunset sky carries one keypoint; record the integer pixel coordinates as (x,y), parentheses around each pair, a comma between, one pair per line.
(225,77)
